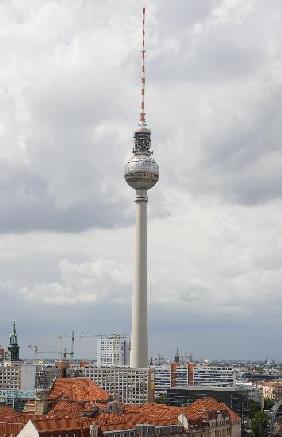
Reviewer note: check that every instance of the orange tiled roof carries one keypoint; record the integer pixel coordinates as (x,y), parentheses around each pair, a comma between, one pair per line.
(156,414)
(77,389)
(57,424)
(7,411)
(11,422)
(66,409)
(67,413)
(10,429)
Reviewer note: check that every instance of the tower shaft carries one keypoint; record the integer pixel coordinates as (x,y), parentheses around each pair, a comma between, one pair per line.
(139,335)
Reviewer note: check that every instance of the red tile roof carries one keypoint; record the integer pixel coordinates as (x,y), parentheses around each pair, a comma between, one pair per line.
(77,389)
(11,422)
(10,429)
(66,409)
(156,414)
(68,413)
(58,424)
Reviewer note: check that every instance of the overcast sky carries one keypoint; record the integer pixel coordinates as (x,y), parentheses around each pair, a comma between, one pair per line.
(69,96)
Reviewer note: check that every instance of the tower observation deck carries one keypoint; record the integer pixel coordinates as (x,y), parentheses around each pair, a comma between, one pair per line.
(141,172)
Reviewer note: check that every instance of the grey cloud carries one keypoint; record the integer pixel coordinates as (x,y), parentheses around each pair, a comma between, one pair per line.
(26,205)
(66,117)
(244,164)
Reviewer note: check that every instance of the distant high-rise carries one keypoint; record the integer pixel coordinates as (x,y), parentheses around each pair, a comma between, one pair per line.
(13,348)
(112,351)
(141,173)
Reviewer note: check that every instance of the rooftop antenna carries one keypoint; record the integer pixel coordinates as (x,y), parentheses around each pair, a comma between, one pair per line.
(142,120)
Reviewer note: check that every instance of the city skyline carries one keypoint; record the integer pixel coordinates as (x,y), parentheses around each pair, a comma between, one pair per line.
(68,98)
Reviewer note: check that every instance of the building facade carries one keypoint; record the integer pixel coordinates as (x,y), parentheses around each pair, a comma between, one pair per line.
(272,390)
(215,376)
(236,398)
(10,376)
(112,351)
(133,386)
(177,375)
(2,354)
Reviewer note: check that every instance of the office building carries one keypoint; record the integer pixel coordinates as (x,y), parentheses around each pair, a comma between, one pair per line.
(216,376)
(177,375)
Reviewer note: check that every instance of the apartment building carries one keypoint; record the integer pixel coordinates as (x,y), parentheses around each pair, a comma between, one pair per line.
(272,390)
(112,351)
(10,376)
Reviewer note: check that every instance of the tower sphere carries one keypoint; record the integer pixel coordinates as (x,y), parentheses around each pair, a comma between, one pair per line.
(141,171)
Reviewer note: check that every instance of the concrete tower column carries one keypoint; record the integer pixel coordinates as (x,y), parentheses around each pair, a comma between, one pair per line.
(139,335)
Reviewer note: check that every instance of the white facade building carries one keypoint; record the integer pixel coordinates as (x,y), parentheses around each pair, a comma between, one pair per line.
(112,351)
(182,376)
(132,386)
(10,376)
(162,377)
(215,376)
(17,376)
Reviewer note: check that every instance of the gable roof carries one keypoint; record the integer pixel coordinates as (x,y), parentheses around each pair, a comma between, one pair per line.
(77,389)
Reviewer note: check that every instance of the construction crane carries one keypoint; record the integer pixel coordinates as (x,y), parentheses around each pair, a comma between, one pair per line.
(64,353)
(74,336)
(36,352)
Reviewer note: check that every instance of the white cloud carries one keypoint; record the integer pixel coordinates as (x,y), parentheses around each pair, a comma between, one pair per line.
(83,283)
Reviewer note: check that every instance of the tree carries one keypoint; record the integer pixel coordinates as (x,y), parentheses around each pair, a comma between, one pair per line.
(259,424)
(254,407)
(162,399)
(268,403)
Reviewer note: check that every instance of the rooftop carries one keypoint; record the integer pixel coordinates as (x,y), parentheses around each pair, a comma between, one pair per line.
(77,389)
(78,402)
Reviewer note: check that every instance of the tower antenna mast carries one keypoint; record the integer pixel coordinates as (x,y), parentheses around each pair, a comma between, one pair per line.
(142,120)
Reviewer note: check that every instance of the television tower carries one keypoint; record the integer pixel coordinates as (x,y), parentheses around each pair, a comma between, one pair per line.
(141,173)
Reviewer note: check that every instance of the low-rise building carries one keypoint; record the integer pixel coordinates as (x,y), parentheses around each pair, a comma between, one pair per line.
(272,390)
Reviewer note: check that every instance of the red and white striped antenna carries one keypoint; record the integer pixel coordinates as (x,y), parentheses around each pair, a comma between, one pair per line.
(142,120)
